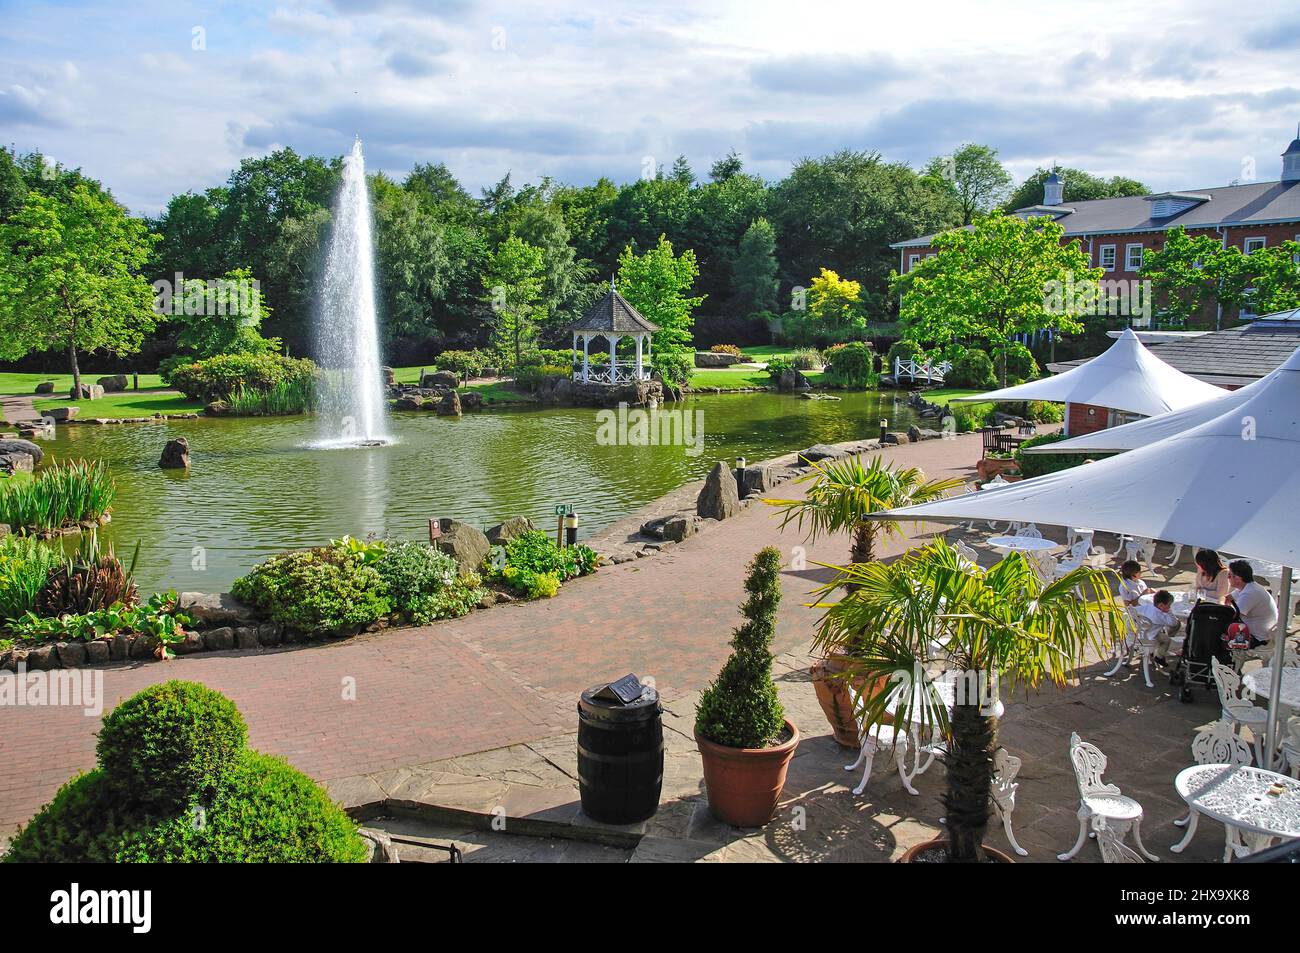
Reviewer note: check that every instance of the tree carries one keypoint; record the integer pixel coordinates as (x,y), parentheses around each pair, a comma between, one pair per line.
(1079,187)
(223,316)
(656,284)
(990,281)
(835,305)
(682,172)
(1191,273)
(513,282)
(729,165)
(754,274)
(412,260)
(975,176)
(70,277)
(1275,278)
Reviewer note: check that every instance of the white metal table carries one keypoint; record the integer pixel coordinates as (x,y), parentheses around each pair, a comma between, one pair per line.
(1022,544)
(1260,682)
(1255,806)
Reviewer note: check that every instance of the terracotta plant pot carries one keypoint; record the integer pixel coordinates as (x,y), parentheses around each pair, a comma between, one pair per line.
(744,784)
(834,697)
(991,852)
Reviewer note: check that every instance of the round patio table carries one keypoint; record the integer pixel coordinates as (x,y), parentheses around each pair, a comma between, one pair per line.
(1022,544)
(1239,797)
(1260,682)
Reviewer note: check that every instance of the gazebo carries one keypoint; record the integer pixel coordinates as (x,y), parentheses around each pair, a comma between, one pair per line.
(613,319)
(1125,381)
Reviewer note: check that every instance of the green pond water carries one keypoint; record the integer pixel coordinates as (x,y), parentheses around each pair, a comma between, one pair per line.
(255,488)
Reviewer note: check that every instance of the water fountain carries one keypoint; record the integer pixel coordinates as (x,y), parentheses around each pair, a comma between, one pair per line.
(351,401)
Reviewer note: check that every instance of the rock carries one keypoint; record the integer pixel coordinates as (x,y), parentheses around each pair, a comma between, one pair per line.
(379,845)
(45,387)
(715,359)
(87,392)
(408,402)
(218,640)
(246,637)
(756,479)
(268,633)
(820,451)
(471,400)
(215,609)
(24,447)
(97,652)
(441,379)
(193,642)
(487,601)
(113,383)
(504,597)
(890,439)
(217,408)
(144,647)
(719,499)
(42,658)
(11,463)
(61,414)
(11,659)
(118,648)
(175,455)
(463,542)
(388,376)
(449,406)
(507,530)
(71,654)
(677,528)
(792,380)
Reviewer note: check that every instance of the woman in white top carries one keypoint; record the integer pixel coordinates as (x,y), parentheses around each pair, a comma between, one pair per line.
(1212,582)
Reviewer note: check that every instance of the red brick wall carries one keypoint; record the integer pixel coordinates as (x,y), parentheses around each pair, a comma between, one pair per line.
(1081,423)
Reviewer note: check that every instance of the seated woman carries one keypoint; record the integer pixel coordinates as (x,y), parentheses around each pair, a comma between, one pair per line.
(1212,582)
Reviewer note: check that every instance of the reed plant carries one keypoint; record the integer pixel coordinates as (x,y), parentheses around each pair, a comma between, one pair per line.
(279,400)
(60,495)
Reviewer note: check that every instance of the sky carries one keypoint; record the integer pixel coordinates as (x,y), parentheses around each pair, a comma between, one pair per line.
(157,98)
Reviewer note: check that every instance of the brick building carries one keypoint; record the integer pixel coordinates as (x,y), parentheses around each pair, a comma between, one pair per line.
(1116,233)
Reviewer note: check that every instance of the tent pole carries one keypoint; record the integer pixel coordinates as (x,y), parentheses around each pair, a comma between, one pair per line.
(1279,647)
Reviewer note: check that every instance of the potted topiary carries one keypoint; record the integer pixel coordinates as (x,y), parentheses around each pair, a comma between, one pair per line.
(842,496)
(933,608)
(745,740)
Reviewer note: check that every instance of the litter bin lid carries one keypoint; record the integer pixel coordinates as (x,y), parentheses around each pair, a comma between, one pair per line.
(605,700)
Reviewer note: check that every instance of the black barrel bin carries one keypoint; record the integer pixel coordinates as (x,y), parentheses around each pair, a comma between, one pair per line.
(620,756)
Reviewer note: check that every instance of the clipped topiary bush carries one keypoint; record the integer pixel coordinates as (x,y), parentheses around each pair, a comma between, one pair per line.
(239,807)
(171,742)
(740,709)
(972,369)
(851,364)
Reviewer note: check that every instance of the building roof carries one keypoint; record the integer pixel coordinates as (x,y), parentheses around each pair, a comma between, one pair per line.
(1255,203)
(1230,358)
(612,314)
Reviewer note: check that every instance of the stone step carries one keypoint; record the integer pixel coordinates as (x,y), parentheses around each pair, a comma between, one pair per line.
(422,841)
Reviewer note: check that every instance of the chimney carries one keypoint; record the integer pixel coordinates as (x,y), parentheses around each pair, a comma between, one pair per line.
(1291,160)
(1053,190)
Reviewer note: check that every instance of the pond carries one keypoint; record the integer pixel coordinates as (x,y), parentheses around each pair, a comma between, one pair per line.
(254,490)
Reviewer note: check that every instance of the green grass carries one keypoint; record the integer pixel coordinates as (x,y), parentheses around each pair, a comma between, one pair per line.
(141,403)
(14,383)
(739,377)
(942,395)
(498,393)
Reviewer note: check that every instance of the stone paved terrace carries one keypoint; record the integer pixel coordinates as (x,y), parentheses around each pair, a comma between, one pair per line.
(509,676)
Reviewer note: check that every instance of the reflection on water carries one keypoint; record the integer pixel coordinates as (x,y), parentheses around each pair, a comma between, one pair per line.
(254,489)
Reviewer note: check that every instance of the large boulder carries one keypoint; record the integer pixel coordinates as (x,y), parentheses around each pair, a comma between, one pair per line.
(175,455)
(719,499)
(466,544)
(471,400)
(408,402)
(388,376)
(441,379)
(820,451)
(677,528)
(87,392)
(22,446)
(217,408)
(449,406)
(715,359)
(507,530)
(756,479)
(45,387)
(114,382)
(792,380)
(11,463)
(61,414)
(215,609)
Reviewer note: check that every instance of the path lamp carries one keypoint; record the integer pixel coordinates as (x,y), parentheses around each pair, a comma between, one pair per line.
(571,528)
(884,427)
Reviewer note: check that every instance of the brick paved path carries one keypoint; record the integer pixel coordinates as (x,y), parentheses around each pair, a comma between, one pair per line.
(507,675)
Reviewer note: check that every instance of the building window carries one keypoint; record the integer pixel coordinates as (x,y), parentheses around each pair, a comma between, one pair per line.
(1107,260)
(1253,244)
(912,261)
(1132,257)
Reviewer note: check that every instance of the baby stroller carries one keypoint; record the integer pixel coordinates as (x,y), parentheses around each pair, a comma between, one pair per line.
(1206,626)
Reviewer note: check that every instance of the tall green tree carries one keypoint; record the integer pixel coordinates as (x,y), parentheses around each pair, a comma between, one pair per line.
(975,176)
(656,284)
(1193,273)
(513,284)
(991,281)
(754,273)
(221,317)
(1275,278)
(1080,186)
(71,277)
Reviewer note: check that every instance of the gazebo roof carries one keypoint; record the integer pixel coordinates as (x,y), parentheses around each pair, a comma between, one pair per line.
(613,314)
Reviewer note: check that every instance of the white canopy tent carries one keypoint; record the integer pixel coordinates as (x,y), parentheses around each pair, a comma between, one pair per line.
(1231,484)
(1150,429)
(1125,377)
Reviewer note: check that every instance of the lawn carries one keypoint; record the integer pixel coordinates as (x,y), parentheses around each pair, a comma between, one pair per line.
(141,403)
(15,383)
(942,395)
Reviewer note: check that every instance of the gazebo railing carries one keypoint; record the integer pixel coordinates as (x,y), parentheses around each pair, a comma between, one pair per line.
(623,372)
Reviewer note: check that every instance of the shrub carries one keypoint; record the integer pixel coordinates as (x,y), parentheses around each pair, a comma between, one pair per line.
(1036,464)
(171,743)
(25,564)
(727,349)
(902,349)
(332,589)
(1044,411)
(778,366)
(1020,363)
(466,363)
(224,376)
(532,377)
(851,364)
(452,602)
(555,358)
(157,617)
(416,574)
(88,582)
(968,417)
(972,369)
(170,756)
(675,367)
(532,564)
(280,400)
(740,709)
(58,496)
(806,359)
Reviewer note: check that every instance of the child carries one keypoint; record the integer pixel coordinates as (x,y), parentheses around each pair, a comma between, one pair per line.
(1131,586)
(1160,619)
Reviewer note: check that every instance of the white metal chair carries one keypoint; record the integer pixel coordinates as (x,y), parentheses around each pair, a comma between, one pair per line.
(1104,812)
(872,738)
(1139,548)
(1218,744)
(1005,769)
(1075,534)
(1240,712)
(1043,565)
(1139,638)
(966,552)
(1028,530)
(1079,555)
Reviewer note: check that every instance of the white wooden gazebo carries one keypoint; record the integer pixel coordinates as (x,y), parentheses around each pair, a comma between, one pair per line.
(613,319)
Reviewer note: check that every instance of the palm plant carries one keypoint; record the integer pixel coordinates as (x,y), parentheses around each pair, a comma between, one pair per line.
(843,496)
(932,608)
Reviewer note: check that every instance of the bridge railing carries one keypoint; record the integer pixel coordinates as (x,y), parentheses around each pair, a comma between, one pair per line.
(932,372)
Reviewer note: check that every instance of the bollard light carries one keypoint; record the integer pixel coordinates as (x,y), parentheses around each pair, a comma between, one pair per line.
(571,528)
(740,463)
(884,427)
